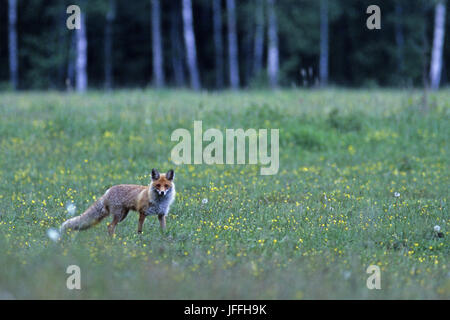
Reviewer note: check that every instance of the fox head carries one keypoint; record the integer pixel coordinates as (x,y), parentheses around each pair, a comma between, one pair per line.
(162,184)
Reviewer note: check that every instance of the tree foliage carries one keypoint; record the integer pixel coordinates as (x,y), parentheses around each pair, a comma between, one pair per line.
(396,55)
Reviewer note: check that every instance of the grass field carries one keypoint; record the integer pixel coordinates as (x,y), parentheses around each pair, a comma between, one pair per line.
(363,180)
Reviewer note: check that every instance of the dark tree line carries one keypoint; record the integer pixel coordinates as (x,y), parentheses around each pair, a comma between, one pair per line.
(222,44)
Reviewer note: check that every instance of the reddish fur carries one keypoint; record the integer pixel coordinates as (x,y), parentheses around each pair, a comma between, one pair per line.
(118,201)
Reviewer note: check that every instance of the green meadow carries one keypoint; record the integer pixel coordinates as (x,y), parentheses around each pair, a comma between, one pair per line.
(363,180)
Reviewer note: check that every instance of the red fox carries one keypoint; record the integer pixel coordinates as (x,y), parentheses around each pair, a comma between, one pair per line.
(120,199)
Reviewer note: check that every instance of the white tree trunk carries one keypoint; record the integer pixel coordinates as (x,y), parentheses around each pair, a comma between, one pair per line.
(218,42)
(158,59)
(189,40)
(110,17)
(272,54)
(81,60)
(323,63)
(438,45)
(258,45)
(13,62)
(232,45)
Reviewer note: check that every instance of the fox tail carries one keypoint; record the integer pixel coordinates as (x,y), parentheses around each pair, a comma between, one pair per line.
(93,215)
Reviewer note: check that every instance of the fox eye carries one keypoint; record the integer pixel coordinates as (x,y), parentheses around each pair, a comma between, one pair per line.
(167,186)
(158,185)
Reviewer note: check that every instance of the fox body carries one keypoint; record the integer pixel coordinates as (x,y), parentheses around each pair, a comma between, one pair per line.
(118,200)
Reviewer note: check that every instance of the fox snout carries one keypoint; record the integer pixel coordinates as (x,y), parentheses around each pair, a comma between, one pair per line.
(162,192)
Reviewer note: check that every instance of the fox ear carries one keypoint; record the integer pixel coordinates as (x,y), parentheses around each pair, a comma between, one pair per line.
(155,174)
(170,175)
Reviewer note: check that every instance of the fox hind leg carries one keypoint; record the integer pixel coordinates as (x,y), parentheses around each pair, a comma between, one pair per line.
(118,215)
(113,224)
(124,215)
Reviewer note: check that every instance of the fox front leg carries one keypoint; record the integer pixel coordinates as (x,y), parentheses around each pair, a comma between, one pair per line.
(162,221)
(141,221)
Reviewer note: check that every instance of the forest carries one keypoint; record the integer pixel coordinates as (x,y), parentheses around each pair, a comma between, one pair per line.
(219,44)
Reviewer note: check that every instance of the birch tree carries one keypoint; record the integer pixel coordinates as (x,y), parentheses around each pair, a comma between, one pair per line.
(272,48)
(189,41)
(218,42)
(438,45)
(158,60)
(81,58)
(12,35)
(110,17)
(232,45)
(324,55)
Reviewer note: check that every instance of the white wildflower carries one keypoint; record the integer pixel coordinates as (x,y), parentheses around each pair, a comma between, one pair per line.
(347,274)
(71,208)
(53,234)
(396,194)
(437,228)
(205,201)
